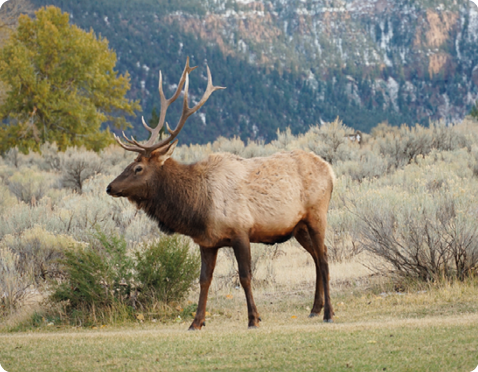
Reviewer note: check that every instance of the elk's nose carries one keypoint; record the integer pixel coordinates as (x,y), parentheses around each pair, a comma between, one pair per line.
(108,190)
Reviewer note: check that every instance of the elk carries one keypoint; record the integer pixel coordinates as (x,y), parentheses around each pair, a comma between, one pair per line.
(227,201)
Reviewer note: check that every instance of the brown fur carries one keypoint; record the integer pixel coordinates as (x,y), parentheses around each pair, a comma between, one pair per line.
(225,200)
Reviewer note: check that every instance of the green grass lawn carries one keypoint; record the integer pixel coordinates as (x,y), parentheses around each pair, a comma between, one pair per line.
(440,344)
(435,330)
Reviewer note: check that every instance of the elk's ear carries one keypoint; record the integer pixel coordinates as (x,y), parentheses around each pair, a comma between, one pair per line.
(163,154)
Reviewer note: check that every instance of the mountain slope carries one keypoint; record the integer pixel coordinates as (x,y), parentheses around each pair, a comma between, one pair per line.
(294,62)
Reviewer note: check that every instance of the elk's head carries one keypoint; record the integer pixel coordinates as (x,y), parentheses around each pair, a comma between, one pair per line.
(133,182)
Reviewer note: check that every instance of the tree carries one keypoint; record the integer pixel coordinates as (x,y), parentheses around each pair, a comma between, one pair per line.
(62,85)
(474,111)
(9,13)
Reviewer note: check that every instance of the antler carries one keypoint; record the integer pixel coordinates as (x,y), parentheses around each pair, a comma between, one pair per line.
(147,148)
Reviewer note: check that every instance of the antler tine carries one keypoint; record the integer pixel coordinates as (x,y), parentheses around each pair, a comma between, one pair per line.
(146,125)
(147,148)
(166,102)
(133,142)
(128,140)
(168,128)
(187,112)
(129,148)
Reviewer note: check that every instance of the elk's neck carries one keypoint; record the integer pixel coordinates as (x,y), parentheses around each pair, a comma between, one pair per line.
(178,199)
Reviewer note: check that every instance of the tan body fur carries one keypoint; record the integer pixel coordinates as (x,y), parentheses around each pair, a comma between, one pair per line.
(264,197)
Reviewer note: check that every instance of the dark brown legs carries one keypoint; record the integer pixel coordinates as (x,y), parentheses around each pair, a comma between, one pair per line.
(312,239)
(208,263)
(309,236)
(242,251)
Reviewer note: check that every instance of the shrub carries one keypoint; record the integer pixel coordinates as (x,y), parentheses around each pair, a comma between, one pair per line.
(403,145)
(255,149)
(115,159)
(192,153)
(78,165)
(330,141)
(284,140)
(14,157)
(13,286)
(234,146)
(342,243)
(424,231)
(166,269)
(447,138)
(103,281)
(368,165)
(98,275)
(38,252)
(51,157)
(474,163)
(7,200)
(29,185)
(27,260)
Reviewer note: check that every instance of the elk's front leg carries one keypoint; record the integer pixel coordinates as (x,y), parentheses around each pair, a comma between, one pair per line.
(208,263)
(242,251)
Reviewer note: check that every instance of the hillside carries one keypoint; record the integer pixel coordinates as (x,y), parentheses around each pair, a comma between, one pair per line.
(294,63)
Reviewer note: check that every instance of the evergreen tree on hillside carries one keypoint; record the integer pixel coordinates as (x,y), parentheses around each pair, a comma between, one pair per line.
(474,111)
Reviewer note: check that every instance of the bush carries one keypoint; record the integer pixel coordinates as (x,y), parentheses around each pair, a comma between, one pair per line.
(27,261)
(284,140)
(51,157)
(103,281)
(425,231)
(403,145)
(13,286)
(78,165)
(234,146)
(98,275)
(256,148)
(14,157)
(166,269)
(331,142)
(368,165)
(341,241)
(29,185)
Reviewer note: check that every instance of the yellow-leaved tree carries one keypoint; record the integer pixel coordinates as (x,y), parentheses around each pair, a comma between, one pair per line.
(61,86)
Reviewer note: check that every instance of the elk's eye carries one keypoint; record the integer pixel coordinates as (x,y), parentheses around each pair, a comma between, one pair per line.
(138,169)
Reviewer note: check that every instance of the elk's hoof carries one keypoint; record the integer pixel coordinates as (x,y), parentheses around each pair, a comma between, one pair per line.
(313,315)
(328,320)
(194,327)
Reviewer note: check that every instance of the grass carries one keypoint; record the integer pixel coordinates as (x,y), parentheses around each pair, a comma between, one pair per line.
(438,344)
(432,328)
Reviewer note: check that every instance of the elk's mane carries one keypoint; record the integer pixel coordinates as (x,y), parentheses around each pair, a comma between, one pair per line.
(179,199)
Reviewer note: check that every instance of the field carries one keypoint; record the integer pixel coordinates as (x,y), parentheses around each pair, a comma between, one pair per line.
(402,244)
(430,328)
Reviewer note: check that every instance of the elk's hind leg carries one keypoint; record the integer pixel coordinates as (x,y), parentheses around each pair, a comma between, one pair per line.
(302,235)
(242,251)
(316,230)
(208,263)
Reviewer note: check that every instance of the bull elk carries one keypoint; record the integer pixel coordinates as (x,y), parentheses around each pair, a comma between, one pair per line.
(228,201)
